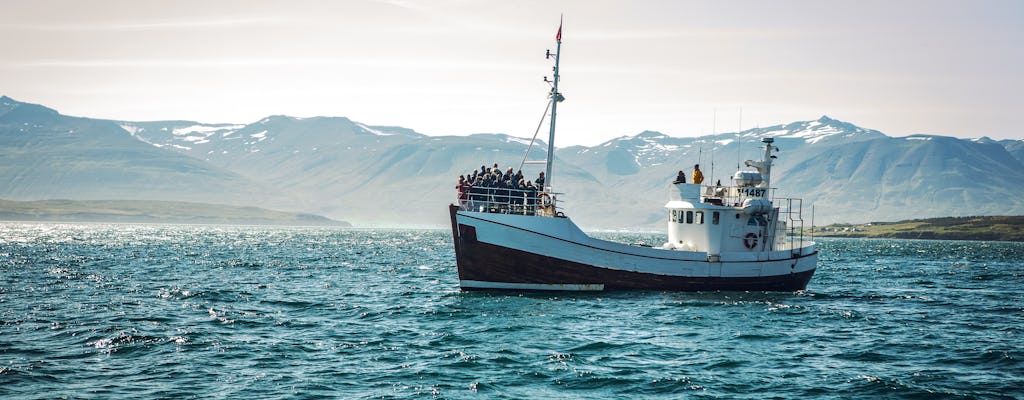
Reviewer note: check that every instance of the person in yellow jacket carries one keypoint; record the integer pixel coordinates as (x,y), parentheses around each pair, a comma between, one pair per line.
(698,177)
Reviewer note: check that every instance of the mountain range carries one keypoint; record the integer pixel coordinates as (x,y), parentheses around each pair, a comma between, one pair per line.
(393,176)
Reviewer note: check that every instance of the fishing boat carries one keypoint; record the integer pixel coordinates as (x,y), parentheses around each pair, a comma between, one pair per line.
(738,237)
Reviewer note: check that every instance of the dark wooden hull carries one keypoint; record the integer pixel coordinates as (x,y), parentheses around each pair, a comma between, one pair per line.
(485,262)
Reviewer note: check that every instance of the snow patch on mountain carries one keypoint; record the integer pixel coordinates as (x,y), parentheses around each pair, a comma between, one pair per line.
(206,130)
(176,146)
(658,147)
(522,141)
(812,131)
(377,132)
(132,129)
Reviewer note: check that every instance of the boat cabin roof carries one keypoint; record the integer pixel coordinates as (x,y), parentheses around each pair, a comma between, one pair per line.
(686,205)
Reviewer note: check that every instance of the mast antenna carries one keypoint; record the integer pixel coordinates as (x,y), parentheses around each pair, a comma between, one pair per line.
(556,97)
(739,140)
(714,132)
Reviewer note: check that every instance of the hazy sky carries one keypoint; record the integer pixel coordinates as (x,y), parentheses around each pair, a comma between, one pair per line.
(459,67)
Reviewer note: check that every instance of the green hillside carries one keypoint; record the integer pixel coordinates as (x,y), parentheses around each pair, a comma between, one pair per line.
(153,211)
(1000,228)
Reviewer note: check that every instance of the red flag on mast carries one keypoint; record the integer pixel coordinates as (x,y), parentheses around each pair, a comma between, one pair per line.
(558,36)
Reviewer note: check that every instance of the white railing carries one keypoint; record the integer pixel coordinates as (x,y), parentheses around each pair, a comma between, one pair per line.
(510,201)
(791,211)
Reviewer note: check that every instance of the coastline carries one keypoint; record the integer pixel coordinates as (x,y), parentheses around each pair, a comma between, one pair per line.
(991,228)
(151,211)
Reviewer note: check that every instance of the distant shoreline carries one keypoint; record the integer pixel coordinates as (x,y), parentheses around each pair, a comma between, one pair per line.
(991,228)
(153,211)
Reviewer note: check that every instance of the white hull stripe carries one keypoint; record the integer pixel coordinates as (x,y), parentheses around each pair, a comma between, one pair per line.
(581,287)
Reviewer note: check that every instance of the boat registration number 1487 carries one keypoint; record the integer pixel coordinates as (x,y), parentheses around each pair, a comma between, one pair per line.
(753,192)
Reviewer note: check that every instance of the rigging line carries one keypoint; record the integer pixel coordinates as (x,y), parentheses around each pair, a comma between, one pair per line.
(539,124)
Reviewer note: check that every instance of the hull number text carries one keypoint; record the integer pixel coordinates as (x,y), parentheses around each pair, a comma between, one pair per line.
(753,192)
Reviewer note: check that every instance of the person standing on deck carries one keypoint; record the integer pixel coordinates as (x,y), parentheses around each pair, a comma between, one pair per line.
(698,177)
(463,188)
(531,197)
(680,178)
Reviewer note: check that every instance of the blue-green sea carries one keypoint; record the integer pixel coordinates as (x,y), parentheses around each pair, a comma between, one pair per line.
(162,311)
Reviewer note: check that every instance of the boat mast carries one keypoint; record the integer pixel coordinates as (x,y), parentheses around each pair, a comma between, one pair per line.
(556,98)
(768,157)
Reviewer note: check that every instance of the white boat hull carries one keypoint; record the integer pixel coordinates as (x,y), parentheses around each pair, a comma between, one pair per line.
(516,252)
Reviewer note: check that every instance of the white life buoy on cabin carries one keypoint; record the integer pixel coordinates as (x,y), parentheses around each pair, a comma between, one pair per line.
(545,199)
(750,241)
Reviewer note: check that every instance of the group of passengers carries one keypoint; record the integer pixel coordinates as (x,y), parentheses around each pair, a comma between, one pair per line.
(491,190)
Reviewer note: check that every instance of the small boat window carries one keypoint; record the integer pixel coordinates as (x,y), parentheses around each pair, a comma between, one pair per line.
(714,218)
(700,217)
(689,217)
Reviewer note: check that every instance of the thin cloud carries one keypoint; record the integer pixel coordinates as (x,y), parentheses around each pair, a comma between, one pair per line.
(226,23)
(717,34)
(271,62)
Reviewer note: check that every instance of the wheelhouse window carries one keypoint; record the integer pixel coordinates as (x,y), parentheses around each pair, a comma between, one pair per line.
(714,218)
(699,217)
(757,220)
(689,217)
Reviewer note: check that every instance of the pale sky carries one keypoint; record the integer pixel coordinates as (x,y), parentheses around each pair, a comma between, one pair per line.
(456,67)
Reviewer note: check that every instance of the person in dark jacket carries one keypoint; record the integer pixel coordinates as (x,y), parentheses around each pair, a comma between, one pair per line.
(518,195)
(477,193)
(506,192)
(463,188)
(680,178)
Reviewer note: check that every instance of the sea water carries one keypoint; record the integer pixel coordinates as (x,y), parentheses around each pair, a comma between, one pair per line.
(162,311)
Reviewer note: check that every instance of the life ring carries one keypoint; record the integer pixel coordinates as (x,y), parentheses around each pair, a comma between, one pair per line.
(545,199)
(750,241)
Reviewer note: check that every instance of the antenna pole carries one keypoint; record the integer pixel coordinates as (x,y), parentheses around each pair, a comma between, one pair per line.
(739,139)
(556,97)
(714,132)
